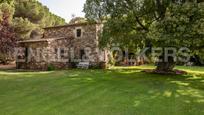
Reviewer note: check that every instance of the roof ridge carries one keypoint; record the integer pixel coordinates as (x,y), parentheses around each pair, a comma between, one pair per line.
(69,25)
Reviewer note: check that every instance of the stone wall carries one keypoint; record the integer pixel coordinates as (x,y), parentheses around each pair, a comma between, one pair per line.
(69,30)
(88,40)
(42,54)
(64,37)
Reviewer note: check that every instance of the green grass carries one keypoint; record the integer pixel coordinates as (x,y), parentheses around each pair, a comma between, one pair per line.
(120,91)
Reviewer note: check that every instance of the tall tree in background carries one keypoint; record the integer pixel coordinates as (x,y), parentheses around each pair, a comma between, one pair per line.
(132,23)
(31,15)
(23,27)
(7,35)
(18,19)
(36,13)
(7,1)
(76,20)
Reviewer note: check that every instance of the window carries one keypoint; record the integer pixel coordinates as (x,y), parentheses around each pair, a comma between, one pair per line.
(78,33)
(56,53)
(62,53)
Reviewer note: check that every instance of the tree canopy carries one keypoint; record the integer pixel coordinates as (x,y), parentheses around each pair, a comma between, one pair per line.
(30,15)
(129,19)
(7,35)
(136,23)
(76,20)
(18,19)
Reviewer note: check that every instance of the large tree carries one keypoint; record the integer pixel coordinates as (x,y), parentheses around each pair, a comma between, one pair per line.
(7,35)
(23,27)
(126,22)
(76,20)
(22,19)
(36,13)
(30,15)
(182,26)
(136,23)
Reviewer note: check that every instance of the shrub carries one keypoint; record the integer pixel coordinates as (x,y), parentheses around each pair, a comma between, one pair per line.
(94,66)
(103,65)
(111,60)
(51,67)
(74,64)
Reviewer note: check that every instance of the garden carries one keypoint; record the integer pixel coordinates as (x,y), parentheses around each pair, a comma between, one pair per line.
(118,91)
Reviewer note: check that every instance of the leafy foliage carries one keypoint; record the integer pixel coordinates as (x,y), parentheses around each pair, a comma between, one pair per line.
(77,20)
(51,67)
(36,13)
(23,27)
(33,15)
(136,23)
(18,19)
(183,25)
(128,21)
(7,1)
(30,15)
(7,35)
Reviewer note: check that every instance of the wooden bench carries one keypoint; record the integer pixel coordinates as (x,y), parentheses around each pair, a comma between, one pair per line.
(83,65)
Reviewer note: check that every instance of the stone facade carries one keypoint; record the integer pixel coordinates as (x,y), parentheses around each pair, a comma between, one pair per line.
(62,46)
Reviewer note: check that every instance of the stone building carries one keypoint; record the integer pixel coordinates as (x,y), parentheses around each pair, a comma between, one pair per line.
(62,47)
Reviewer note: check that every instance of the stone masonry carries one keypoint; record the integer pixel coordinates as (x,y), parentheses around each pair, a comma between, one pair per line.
(62,46)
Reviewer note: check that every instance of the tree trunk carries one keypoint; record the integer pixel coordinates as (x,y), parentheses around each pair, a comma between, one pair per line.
(165,66)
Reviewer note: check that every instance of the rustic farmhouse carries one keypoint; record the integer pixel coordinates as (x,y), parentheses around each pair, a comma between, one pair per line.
(63,47)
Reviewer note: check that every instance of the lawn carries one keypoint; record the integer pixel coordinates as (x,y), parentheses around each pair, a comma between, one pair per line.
(120,91)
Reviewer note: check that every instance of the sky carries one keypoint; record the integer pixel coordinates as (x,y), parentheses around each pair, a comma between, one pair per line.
(65,8)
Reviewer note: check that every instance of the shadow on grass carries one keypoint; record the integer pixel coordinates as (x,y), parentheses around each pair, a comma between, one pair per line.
(121,91)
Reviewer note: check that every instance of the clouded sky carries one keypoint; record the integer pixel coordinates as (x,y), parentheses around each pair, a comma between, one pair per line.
(65,8)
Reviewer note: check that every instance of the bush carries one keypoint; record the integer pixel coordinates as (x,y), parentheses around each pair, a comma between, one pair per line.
(5,59)
(103,65)
(94,66)
(74,64)
(51,67)
(111,60)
